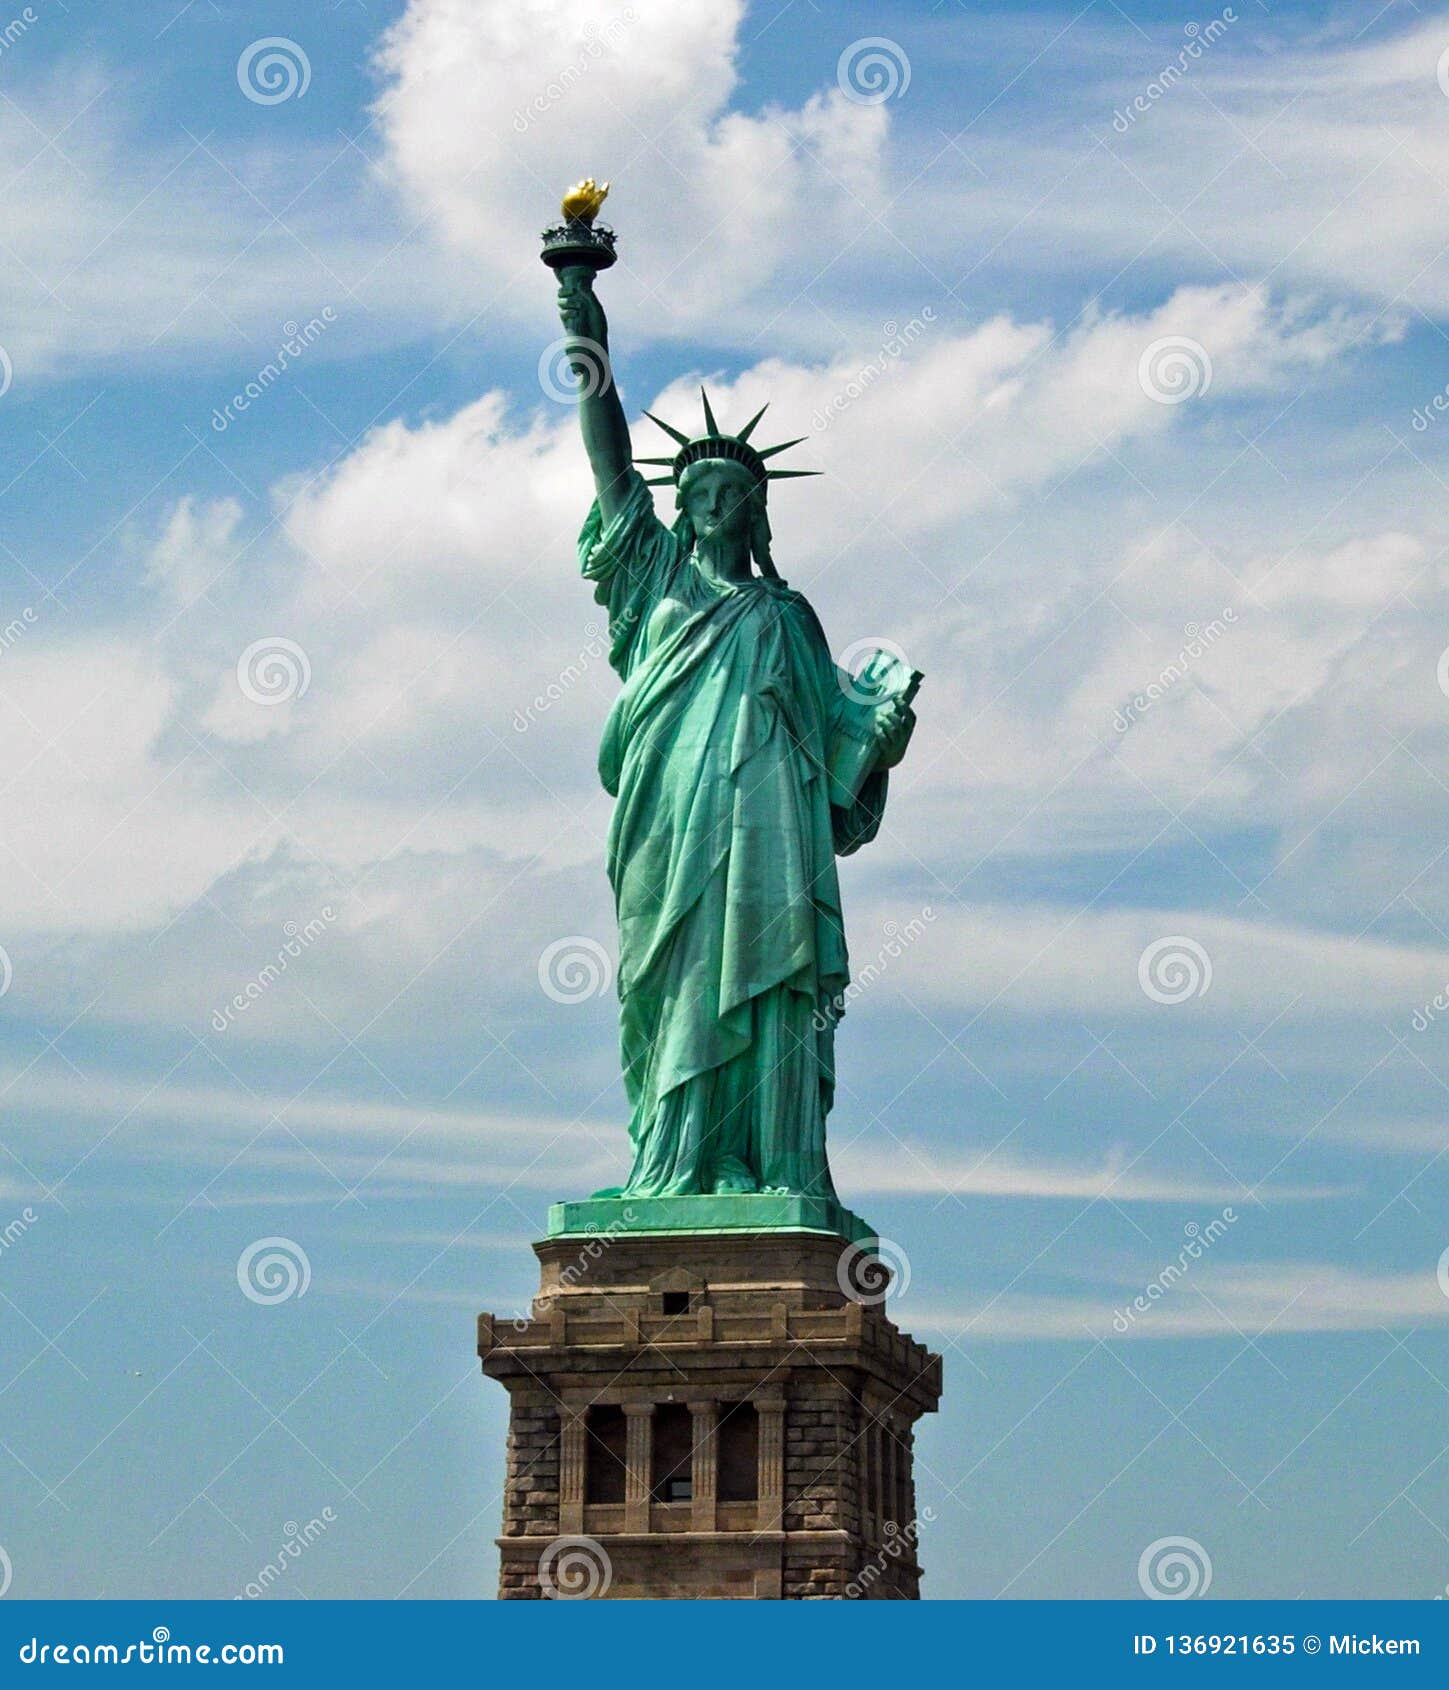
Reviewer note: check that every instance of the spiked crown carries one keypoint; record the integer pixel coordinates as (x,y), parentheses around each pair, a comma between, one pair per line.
(713,443)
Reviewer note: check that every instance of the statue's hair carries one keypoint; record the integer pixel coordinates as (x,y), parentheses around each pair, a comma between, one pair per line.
(759,526)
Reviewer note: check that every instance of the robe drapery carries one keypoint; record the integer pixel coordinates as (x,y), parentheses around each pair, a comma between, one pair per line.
(721,854)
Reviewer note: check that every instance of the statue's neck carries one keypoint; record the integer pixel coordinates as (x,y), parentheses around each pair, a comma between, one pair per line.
(729,563)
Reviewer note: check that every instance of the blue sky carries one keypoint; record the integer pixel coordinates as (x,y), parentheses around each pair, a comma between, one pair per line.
(1129,443)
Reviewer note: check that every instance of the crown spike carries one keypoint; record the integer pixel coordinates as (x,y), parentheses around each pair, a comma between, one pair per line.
(784,446)
(748,429)
(789,474)
(668,463)
(673,433)
(710,424)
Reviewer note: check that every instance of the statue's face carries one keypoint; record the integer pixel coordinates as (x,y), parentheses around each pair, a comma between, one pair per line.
(715,495)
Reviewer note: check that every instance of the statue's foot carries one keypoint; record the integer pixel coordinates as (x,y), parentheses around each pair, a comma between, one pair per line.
(734,1178)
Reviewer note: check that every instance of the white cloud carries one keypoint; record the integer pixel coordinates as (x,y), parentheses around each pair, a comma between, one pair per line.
(915,1170)
(490,112)
(1237,1302)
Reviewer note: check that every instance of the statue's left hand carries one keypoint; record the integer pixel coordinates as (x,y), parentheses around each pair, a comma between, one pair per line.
(893,733)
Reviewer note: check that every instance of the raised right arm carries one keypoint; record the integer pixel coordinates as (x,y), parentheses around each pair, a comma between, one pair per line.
(601,415)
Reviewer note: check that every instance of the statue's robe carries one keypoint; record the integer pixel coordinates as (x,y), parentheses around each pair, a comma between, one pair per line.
(732,958)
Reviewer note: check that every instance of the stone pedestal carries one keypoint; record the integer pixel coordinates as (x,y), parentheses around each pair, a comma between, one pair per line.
(708,1415)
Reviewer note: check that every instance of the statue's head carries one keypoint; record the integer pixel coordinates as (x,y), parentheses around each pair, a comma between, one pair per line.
(720,498)
(721,480)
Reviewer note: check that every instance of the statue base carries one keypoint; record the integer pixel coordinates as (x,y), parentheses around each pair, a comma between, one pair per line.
(751,1212)
(706,1414)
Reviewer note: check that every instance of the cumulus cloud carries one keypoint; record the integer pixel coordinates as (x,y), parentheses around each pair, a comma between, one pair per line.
(484,114)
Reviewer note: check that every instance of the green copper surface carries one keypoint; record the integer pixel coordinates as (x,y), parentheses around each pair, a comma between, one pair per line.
(742,1212)
(742,762)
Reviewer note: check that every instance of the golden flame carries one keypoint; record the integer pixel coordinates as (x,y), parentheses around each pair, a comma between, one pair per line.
(582,201)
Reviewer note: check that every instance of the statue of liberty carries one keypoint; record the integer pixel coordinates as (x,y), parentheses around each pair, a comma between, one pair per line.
(742,761)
